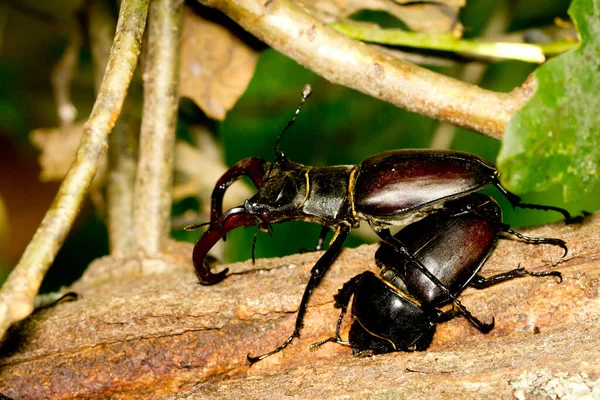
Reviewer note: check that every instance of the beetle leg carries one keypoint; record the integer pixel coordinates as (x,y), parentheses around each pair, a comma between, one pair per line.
(527,239)
(538,240)
(321,240)
(316,274)
(479,282)
(516,202)
(443,316)
(387,237)
(234,218)
(342,299)
(252,167)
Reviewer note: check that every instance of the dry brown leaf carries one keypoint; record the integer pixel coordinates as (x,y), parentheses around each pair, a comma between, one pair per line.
(57,148)
(428,18)
(216,65)
(57,151)
(200,167)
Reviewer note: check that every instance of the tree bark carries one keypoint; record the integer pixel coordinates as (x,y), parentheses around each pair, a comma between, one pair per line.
(154,332)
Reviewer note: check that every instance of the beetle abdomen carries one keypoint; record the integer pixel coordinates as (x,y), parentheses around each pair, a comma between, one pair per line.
(398,181)
(452,247)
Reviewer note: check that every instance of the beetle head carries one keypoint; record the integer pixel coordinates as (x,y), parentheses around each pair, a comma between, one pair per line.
(280,196)
(284,189)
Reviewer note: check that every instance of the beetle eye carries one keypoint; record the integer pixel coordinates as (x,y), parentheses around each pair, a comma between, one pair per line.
(286,193)
(265,216)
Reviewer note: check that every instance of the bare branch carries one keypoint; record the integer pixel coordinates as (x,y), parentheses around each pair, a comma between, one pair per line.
(310,42)
(18,292)
(122,150)
(152,213)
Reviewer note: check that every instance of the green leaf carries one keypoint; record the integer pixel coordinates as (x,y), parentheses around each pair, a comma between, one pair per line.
(554,138)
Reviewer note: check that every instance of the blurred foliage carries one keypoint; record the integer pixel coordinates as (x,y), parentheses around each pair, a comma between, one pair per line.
(3,240)
(31,44)
(337,126)
(553,139)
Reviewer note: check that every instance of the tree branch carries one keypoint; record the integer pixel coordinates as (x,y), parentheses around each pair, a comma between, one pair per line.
(152,214)
(19,290)
(312,43)
(162,334)
(123,142)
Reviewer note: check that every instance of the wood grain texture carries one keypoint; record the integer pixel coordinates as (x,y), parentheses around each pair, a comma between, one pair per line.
(146,328)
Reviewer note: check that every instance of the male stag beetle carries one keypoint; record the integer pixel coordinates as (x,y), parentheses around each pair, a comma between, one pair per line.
(395,187)
(398,309)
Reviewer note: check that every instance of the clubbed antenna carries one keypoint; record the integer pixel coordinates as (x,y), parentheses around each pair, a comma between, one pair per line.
(305,95)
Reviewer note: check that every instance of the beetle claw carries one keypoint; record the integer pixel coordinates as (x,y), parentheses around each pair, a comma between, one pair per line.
(486,328)
(234,218)
(579,219)
(208,278)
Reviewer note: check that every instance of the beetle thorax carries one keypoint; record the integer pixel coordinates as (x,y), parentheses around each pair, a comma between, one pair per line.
(327,200)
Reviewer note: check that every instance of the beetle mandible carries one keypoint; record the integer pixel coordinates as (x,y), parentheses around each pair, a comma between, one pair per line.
(392,188)
(398,309)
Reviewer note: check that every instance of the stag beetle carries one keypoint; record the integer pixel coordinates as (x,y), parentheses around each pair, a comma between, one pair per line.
(398,309)
(395,187)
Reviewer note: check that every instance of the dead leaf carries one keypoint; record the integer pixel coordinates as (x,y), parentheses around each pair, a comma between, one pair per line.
(429,18)
(199,167)
(216,65)
(58,147)
(57,150)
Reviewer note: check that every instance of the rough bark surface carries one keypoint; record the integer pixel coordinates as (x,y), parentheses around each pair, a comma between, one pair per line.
(147,329)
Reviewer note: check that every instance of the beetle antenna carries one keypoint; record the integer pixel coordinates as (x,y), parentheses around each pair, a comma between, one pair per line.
(254,244)
(193,227)
(305,95)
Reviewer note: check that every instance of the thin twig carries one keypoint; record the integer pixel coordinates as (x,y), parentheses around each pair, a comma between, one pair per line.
(18,292)
(122,151)
(443,42)
(62,77)
(559,47)
(152,211)
(122,167)
(310,42)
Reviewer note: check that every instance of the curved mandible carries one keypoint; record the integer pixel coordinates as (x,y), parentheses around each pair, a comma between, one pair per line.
(234,218)
(252,167)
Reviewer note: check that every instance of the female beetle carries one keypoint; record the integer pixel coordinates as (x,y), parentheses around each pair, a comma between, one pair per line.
(398,309)
(395,187)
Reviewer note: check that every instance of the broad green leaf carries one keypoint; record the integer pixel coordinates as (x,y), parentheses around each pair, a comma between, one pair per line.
(554,138)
